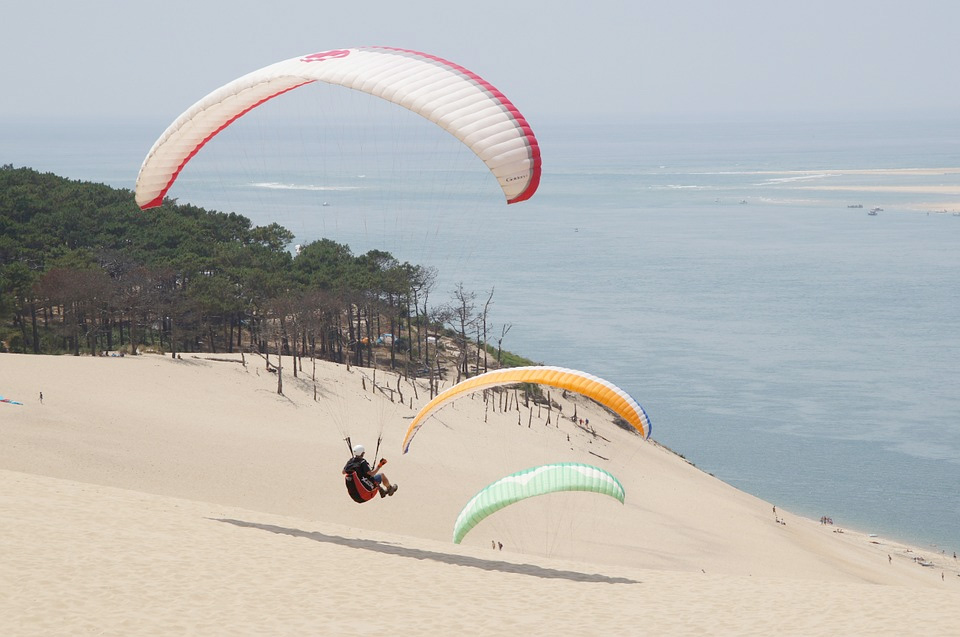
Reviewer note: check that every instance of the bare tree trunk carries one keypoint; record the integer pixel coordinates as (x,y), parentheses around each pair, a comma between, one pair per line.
(393,343)
(503,332)
(370,360)
(426,331)
(409,332)
(479,347)
(359,359)
(426,353)
(279,365)
(483,327)
(439,378)
(463,319)
(293,346)
(36,331)
(171,337)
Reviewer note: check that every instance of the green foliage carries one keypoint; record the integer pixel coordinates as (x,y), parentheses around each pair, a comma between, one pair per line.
(83,269)
(509,359)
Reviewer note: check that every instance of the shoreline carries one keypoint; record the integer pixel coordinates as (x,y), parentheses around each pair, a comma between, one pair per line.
(911,545)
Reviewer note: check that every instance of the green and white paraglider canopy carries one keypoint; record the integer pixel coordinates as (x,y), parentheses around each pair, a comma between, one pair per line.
(529,483)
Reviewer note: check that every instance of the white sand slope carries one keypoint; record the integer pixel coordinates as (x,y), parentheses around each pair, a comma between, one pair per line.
(155,496)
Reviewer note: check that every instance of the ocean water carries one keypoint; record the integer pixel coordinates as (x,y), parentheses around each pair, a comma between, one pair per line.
(796,348)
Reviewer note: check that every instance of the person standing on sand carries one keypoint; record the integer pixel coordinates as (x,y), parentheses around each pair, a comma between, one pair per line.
(41,398)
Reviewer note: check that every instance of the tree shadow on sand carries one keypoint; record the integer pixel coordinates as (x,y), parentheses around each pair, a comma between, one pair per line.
(446,558)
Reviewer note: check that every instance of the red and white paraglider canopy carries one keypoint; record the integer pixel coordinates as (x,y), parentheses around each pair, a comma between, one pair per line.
(452,97)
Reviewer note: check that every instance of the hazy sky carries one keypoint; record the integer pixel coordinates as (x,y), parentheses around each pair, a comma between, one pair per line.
(720,59)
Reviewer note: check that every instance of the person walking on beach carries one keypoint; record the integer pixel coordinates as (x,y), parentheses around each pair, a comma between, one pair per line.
(359,465)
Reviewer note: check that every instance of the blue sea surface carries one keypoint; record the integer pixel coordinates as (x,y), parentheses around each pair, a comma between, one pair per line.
(797,348)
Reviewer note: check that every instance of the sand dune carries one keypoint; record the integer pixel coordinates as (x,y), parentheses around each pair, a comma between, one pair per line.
(148,495)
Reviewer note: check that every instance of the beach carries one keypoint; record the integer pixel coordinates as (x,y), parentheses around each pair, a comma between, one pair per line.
(153,495)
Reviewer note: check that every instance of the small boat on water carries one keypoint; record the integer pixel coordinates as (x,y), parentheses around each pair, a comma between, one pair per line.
(873,211)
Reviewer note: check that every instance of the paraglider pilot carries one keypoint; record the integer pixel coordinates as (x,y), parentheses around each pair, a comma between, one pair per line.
(362,468)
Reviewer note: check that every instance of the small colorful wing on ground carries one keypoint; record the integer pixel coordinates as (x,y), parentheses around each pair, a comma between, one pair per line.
(550,478)
(604,392)
(459,101)
(9,401)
